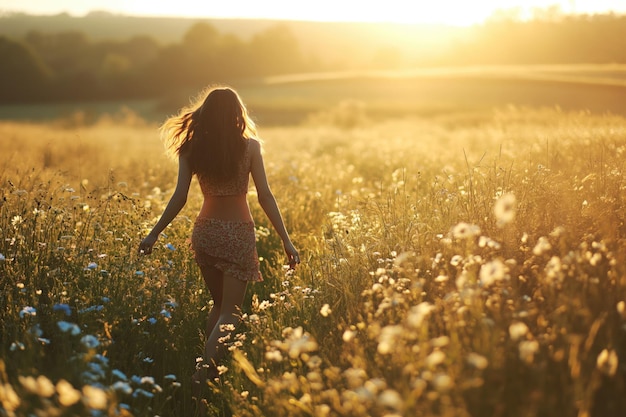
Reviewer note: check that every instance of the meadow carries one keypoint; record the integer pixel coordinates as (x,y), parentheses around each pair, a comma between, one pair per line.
(454,264)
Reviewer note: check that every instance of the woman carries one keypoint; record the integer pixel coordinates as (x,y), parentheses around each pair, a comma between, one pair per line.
(215,140)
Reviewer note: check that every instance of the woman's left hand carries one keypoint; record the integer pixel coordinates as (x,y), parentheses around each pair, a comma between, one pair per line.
(292,254)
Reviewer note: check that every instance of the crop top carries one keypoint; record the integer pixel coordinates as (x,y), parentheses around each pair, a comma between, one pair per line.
(235,186)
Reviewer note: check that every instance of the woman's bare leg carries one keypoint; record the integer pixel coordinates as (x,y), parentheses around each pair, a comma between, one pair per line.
(233,293)
(214,280)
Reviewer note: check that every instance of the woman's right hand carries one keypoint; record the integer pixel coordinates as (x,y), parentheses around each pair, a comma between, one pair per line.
(293,258)
(145,247)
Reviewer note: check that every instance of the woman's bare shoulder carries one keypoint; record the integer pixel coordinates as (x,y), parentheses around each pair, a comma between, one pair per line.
(255,145)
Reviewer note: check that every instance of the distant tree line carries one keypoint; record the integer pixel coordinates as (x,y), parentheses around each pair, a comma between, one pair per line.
(70,66)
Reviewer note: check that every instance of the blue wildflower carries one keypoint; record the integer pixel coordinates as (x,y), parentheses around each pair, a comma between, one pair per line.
(90,341)
(28,311)
(17,346)
(122,387)
(91,308)
(66,327)
(64,308)
(119,374)
(143,393)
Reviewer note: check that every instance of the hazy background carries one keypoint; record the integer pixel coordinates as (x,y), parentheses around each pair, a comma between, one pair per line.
(57,65)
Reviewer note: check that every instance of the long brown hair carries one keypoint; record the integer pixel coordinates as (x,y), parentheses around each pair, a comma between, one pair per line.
(212,132)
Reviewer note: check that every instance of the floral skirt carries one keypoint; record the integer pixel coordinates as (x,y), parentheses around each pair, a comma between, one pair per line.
(229,246)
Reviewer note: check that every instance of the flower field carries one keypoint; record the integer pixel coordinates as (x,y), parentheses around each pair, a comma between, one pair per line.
(452,266)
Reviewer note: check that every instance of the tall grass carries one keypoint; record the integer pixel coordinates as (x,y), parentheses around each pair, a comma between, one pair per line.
(452,266)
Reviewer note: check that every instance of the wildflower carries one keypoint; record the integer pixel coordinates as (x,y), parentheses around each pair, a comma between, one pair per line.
(355,377)
(66,327)
(542,246)
(418,313)
(465,231)
(390,399)
(17,220)
(607,362)
(504,209)
(274,355)
(492,272)
(440,341)
(517,330)
(152,320)
(170,247)
(68,396)
(96,397)
(387,338)
(91,265)
(143,393)
(477,361)
(91,308)
(9,399)
(484,241)
(348,335)
(456,260)
(139,273)
(441,278)
(123,387)
(64,308)
(527,350)
(148,360)
(28,311)
(325,310)
(554,270)
(90,341)
(119,374)
(17,346)
(165,313)
(40,386)
(435,358)
(621,309)
(147,380)
(442,382)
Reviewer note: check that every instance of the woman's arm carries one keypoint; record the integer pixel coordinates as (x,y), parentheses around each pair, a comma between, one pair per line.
(268,202)
(174,206)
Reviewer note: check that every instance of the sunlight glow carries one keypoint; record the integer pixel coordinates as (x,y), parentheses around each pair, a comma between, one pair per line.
(450,12)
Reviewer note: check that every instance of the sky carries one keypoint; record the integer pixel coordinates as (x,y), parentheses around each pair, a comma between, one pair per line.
(453,12)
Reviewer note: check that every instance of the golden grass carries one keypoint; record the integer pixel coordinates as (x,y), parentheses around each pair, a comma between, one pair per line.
(451,268)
